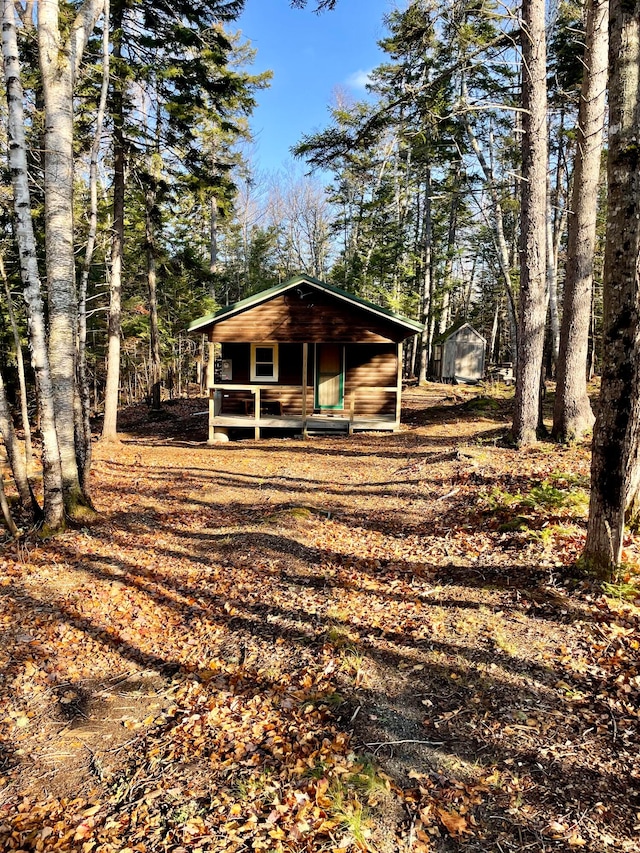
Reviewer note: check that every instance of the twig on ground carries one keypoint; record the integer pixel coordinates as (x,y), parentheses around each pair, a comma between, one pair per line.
(399,742)
(449,494)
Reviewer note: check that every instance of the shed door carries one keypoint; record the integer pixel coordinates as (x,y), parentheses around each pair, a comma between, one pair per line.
(329,376)
(468,355)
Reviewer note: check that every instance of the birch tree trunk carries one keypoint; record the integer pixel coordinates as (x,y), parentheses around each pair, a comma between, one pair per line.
(83,428)
(15,456)
(532,304)
(24,411)
(110,423)
(20,475)
(6,512)
(615,467)
(500,241)
(572,415)
(59,65)
(51,469)
(57,91)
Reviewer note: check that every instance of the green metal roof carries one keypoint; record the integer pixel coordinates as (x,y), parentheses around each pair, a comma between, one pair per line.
(265,295)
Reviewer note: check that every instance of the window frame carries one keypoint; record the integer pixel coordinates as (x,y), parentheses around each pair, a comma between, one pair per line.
(273,362)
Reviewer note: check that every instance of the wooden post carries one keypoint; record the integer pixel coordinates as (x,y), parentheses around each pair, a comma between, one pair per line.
(214,396)
(212,415)
(211,365)
(399,388)
(352,410)
(305,371)
(256,412)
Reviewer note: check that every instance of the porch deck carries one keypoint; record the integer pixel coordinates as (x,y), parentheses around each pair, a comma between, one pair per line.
(313,423)
(256,413)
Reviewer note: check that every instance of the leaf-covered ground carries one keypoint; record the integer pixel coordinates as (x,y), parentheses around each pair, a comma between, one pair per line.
(365,643)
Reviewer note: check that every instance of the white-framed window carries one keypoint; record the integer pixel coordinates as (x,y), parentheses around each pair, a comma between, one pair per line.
(264,362)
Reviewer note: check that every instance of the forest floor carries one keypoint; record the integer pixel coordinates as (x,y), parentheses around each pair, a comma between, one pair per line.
(375,643)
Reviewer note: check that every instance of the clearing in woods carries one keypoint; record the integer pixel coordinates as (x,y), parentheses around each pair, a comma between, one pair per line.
(365,643)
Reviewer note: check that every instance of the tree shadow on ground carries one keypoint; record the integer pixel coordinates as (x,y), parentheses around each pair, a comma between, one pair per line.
(477,694)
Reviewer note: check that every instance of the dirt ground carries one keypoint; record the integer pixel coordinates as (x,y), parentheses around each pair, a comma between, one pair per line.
(377,642)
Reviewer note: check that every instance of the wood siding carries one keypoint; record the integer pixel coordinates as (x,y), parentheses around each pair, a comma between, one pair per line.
(317,317)
(370,381)
(368,369)
(371,365)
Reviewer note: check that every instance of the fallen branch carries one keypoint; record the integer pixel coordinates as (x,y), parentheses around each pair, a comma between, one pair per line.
(399,742)
(449,494)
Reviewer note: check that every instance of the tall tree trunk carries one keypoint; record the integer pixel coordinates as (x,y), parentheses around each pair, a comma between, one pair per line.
(24,411)
(83,440)
(20,475)
(533,304)
(110,423)
(500,241)
(556,223)
(552,285)
(15,456)
(59,66)
(51,469)
(445,316)
(154,334)
(6,512)
(57,89)
(615,467)
(572,415)
(213,243)
(427,284)
(494,334)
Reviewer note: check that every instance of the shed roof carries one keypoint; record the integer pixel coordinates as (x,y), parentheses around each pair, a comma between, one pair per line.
(411,326)
(460,324)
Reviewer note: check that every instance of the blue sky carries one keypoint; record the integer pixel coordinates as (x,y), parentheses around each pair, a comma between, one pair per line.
(310,55)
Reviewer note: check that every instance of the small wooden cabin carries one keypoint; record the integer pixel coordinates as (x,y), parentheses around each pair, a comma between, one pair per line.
(304,356)
(459,354)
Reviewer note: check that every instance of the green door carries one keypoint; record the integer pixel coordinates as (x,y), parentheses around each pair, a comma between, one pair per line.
(329,376)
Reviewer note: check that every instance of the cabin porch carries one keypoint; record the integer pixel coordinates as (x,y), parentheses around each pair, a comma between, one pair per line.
(286,407)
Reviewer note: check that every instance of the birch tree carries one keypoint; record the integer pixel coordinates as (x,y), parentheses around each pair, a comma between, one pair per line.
(60,59)
(83,427)
(24,412)
(30,274)
(109,423)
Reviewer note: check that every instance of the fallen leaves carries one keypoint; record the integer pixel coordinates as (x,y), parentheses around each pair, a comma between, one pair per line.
(202,669)
(454,823)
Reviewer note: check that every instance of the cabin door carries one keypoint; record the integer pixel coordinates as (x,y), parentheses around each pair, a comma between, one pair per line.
(329,376)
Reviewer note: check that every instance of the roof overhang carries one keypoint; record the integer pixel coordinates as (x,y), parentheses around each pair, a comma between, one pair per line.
(412,327)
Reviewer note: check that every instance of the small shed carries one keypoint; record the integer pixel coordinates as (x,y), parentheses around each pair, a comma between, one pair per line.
(459,354)
(304,356)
